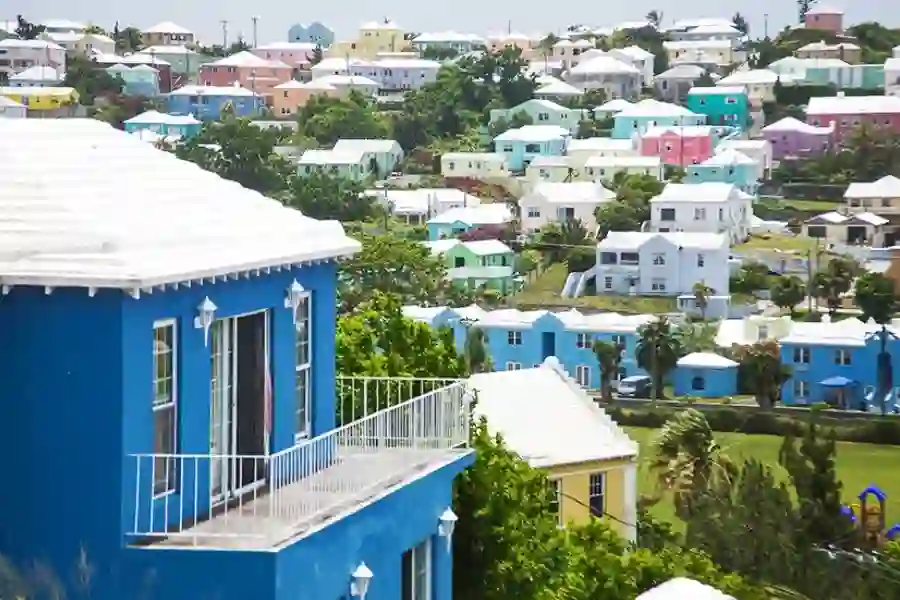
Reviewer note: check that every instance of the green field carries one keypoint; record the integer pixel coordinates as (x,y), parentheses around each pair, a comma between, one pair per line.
(858,466)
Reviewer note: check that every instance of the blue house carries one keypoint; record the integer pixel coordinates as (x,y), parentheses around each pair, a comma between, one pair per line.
(641,116)
(524,339)
(728,166)
(837,363)
(139,80)
(206,101)
(456,221)
(705,375)
(174,388)
(314,33)
(182,126)
(521,145)
(727,106)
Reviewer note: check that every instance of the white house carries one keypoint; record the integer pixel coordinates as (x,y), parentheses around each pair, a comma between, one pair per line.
(709,207)
(11,109)
(558,90)
(552,168)
(605,168)
(474,165)
(580,150)
(759,150)
(665,264)
(619,79)
(880,197)
(382,155)
(864,228)
(549,202)
(760,83)
(417,206)
(892,76)
(705,53)
(639,58)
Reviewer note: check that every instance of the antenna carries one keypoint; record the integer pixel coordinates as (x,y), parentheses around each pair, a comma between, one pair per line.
(224,23)
(255,20)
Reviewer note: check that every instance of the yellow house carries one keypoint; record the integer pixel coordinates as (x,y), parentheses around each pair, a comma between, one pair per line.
(376,37)
(551,422)
(41,98)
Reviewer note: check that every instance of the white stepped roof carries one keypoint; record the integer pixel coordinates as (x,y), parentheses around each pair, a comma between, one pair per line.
(558,88)
(605,65)
(706,360)
(886,187)
(116,212)
(573,428)
(792,124)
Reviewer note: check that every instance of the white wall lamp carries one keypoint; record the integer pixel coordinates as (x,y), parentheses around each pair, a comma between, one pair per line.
(206,314)
(359,585)
(446,525)
(293,298)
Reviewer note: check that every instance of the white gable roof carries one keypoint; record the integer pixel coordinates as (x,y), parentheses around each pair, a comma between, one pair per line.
(792,124)
(655,108)
(600,144)
(533,133)
(853,105)
(633,240)
(729,157)
(37,73)
(886,187)
(604,64)
(168,27)
(152,117)
(573,429)
(706,360)
(614,105)
(558,88)
(579,192)
(708,191)
(247,59)
(484,214)
(116,212)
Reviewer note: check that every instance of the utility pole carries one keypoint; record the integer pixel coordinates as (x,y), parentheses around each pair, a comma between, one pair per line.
(224,23)
(766,26)
(255,23)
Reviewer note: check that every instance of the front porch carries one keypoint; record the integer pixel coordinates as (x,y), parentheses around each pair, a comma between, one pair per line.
(391,432)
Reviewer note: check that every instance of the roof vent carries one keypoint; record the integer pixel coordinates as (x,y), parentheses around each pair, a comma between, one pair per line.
(841,94)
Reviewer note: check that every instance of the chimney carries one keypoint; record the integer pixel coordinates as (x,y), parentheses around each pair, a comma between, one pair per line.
(841,94)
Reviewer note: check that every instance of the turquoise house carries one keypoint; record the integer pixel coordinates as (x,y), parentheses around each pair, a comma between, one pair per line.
(727,166)
(705,375)
(863,77)
(223,458)
(727,106)
(521,145)
(140,80)
(457,221)
(542,112)
(482,264)
(641,116)
(181,126)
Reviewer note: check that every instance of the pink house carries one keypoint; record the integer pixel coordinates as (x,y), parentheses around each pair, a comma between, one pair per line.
(247,70)
(824,17)
(792,137)
(848,112)
(678,146)
(296,55)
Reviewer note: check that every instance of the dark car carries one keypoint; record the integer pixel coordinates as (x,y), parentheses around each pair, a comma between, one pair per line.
(636,386)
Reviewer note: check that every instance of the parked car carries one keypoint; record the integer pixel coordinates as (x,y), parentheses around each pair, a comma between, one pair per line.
(636,386)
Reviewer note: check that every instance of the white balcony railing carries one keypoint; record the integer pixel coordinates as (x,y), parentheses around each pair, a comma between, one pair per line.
(282,495)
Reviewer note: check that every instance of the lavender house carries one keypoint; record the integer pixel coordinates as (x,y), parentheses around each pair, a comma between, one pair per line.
(792,137)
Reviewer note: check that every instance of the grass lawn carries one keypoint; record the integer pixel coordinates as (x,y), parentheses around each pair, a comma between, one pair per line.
(544,291)
(771,241)
(810,205)
(858,465)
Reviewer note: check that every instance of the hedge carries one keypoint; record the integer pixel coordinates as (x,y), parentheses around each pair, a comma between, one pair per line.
(880,430)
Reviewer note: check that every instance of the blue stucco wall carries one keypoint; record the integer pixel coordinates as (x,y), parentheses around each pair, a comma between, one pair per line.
(319,566)
(743,176)
(210,107)
(78,393)
(717,382)
(624,127)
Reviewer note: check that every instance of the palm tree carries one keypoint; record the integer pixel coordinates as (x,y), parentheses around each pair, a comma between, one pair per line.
(702,292)
(740,23)
(654,17)
(609,356)
(686,458)
(658,350)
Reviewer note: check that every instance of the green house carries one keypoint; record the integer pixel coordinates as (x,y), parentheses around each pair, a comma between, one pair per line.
(483,264)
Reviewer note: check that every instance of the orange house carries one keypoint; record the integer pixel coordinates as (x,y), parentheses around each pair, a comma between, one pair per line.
(291,95)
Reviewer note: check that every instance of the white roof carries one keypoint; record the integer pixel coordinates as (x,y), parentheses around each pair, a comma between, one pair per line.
(580,192)
(369,146)
(550,161)
(421,200)
(708,191)
(679,130)
(183,50)
(698,45)
(558,88)
(705,360)
(247,59)
(635,52)
(383,24)
(636,239)
(72,225)
(682,72)
(330,157)
(752,77)
(848,332)
(615,105)
(836,218)
(347,80)
(212,90)
(886,187)
(152,117)
(655,108)
(483,214)
(715,29)
(717,90)
(39,44)
(853,105)
(573,429)
(485,156)
(649,162)
(824,10)
(530,133)
(694,23)
(728,157)
(600,144)
(792,124)
(308,46)
(9,103)
(63,24)
(743,145)
(603,64)
(447,36)
(681,588)
(168,27)
(37,73)
(479,248)
(293,84)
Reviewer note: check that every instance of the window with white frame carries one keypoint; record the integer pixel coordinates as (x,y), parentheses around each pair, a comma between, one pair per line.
(658,285)
(801,389)
(842,357)
(534,212)
(514,338)
(583,375)
(699,214)
(583,340)
(165,409)
(607,283)
(555,496)
(701,260)
(416,572)
(659,259)
(596,486)
(513,366)
(801,355)
(302,362)
(618,340)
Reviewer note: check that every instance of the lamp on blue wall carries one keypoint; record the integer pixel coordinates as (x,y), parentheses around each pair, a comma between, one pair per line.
(446,525)
(359,585)
(206,314)
(293,298)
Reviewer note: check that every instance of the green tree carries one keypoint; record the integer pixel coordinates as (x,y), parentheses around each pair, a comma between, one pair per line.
(620,216)
(875,297)
(324,196)
(558,240)
(501,125)
(835,281)
(685,459)
(90,81)
(27,30)
(697,337)
(609,358)
(752,277)
(702,292)
(328,119)
(127,40)
(761,371)
(116,109)
(740,23)
(439,54)
(787,292)
(658,350)
(317,56)
(236,149)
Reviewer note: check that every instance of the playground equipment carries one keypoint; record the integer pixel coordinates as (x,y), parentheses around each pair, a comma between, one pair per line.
(869,517)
